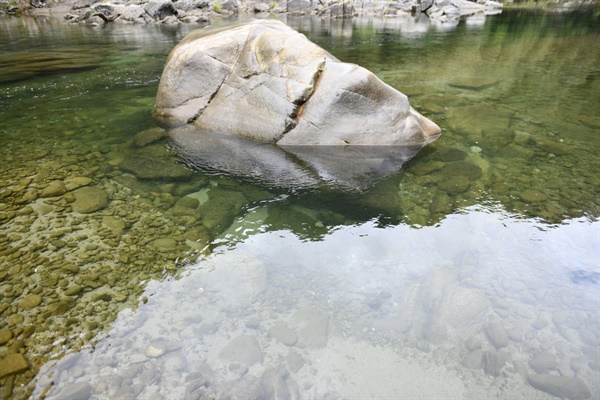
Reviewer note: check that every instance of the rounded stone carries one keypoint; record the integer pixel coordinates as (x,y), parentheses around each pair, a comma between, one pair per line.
(31,301)
(55,188)
(455,184)
(165,243)
(156,349)
(73,290)
(89,199)
(188,202)
(532,196)
(5,336)
(77,182)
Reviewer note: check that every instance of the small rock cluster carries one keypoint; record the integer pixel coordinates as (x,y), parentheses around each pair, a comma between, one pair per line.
(74,223)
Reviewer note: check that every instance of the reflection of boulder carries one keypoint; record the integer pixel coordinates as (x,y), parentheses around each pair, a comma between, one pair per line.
(264,81)
(349,167)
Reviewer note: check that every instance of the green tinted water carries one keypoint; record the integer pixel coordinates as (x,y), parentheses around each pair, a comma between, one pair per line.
(518,98)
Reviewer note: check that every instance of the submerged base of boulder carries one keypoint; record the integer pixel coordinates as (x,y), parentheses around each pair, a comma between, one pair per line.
(264,81)
(353,168)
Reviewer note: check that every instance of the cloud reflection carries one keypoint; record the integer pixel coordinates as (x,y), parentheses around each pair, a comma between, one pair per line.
(314,316)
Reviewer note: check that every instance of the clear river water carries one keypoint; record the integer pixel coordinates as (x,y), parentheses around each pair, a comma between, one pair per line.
(471,271)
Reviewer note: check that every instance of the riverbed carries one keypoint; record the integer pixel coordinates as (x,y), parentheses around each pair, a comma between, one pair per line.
(470,271)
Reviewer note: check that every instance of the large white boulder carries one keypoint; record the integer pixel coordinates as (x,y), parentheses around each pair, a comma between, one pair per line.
(264,81)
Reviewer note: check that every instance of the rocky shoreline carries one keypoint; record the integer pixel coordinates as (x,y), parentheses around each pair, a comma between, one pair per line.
(172,12)
(97,13)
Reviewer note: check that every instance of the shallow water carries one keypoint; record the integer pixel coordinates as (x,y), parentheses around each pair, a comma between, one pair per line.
(465,274)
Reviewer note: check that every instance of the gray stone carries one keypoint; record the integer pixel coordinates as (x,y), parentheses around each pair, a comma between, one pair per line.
(137,358)
(269,83)
(294,361)
(295,6)
(79,390)
(426,5)
(261,7)
(229,5)
(543,363)
(55,188)
(473,343)
(541,322)
(89,199)
(159,9)
(473,360)
(132,12)
(497,335)
(243,349)
(283,334)
(274,383)
(560,386)
(493,362)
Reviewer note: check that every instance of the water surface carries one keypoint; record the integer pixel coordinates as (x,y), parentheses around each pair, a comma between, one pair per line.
(471,272)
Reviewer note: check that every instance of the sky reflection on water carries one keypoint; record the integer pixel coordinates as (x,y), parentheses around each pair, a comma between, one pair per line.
(337,317)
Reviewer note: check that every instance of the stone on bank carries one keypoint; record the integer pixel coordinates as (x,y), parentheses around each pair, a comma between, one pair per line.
(264,81)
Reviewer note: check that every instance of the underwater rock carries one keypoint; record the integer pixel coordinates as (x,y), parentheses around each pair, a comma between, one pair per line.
(289,166)
(79,390)
(532,196)
(5,336)
(89,199)
(55,188)
(148,136)
(243,349)
(560,386)
(283,334)
(13,364)
(31,301)
(493,362)
(497,335)
(144,167)
(77,182)
(543,363)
